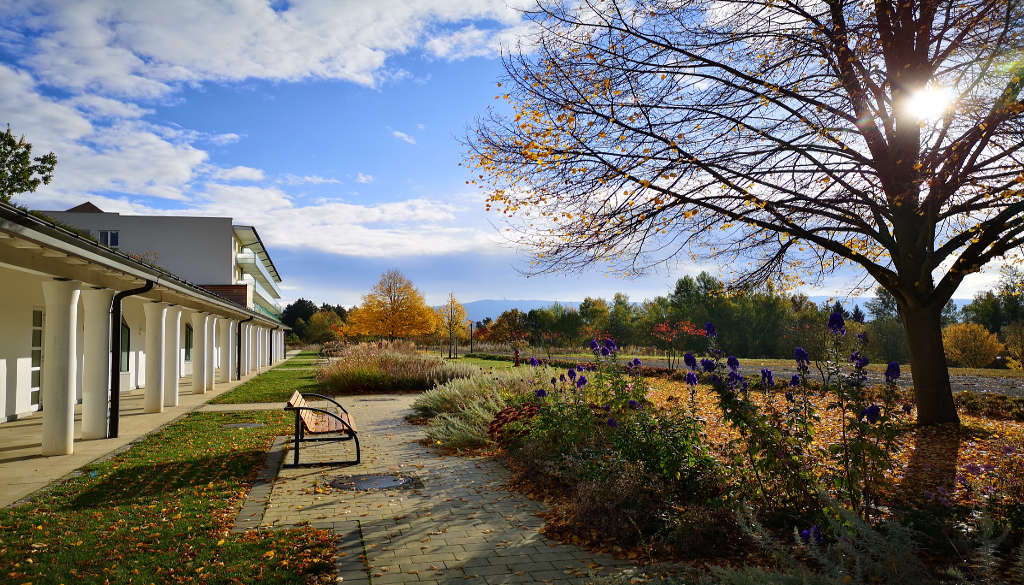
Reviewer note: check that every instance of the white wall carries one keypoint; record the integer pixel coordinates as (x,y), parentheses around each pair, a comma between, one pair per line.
(20,294)
(198,249)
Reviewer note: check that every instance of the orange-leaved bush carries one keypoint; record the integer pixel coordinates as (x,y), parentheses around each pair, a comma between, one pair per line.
(970,344)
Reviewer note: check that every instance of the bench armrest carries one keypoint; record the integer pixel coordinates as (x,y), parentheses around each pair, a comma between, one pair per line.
(322,411)
(328,399)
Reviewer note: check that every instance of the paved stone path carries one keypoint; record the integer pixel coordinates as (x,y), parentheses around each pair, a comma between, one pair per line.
(458,525)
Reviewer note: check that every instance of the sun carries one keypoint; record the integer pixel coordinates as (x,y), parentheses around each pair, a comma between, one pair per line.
(930,102)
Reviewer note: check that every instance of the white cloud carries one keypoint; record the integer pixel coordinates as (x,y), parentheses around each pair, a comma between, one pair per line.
(147,49)
(363,178)
(239,173)
(403,136)
(226,138)
(311,179)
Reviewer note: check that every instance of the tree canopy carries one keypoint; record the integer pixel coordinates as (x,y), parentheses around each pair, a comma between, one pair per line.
(393,309)
(786,139)
(19,172)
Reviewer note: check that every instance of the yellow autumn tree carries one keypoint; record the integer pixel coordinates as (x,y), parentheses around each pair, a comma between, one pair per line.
(453,321)
(393,308)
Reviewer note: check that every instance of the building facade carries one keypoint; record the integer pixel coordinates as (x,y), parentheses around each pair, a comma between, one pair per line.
(85,321)
(209,251)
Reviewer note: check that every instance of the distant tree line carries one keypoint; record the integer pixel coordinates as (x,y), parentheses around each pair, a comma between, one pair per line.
(761,323)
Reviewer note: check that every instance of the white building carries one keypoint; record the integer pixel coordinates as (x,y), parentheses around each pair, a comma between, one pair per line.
(59,294)
(208,251)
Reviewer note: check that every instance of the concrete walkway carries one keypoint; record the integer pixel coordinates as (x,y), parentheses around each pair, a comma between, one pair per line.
(459,524)
(23,470)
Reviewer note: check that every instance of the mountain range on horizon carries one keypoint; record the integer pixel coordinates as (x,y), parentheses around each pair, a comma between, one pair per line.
(481,309)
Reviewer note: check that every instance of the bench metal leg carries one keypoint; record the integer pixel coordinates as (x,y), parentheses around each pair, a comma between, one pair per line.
(298,437)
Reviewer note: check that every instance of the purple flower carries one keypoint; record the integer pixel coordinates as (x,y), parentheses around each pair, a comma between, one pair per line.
(972,468)
(709,330)
(691,378)
(633,404)
(572,373)
(605,351)
(734,363)
(579,367)
(636,362)
(553,381)
(607,408)
(795,380)
(610,344)
(859,360)
(612,423)
(812,534)
(541,393)
(581,382)
(767,378)
(862,338)
(594,345)
(707,364)
(836,324)
(1009,450)
(690,361)
(872,412)
(892,372)
(801,356)
(534,361)
(789,397)
(561,377)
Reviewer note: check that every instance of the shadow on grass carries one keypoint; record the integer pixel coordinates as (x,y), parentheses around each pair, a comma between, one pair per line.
(154,481)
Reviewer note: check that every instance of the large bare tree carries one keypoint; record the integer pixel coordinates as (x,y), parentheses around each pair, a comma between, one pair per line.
(786,138)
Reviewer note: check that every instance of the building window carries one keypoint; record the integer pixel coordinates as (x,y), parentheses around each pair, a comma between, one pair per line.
(109,238)
(126,344)
(188,342)
(36,370)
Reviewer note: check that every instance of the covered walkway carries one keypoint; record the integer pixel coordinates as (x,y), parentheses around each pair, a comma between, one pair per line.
(24,470)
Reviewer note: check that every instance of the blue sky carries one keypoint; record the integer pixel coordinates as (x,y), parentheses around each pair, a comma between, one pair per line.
(332,126)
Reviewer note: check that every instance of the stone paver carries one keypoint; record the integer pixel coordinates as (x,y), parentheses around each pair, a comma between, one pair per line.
(461,526)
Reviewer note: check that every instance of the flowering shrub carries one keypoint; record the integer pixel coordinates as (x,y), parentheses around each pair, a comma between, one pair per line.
(970,344)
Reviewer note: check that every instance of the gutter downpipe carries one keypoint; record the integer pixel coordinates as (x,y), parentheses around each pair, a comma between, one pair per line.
(115,356)
(238,347)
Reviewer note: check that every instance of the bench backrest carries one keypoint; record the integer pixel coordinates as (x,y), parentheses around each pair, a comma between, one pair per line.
(311,420)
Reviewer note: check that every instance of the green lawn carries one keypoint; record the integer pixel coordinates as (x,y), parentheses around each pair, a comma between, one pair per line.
(276,385)
(160,513)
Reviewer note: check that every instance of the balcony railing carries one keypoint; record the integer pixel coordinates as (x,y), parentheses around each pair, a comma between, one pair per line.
(250,264)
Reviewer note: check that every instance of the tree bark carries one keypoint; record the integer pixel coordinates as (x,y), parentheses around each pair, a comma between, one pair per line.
(932,390)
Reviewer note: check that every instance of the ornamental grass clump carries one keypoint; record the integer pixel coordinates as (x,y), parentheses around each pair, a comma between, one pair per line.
(387,367)
(461,411)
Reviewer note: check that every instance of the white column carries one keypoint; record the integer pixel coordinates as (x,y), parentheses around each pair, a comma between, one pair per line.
(243,351)
(155,356)
(172,356)
(199,353)
(59,367)
(211,341)
(224,373)
(96,371)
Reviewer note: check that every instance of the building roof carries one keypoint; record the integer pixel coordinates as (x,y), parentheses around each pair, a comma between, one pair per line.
(86,207)
(49,234)
(250,238)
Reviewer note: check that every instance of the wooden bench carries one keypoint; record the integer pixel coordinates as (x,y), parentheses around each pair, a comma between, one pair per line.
(310,420)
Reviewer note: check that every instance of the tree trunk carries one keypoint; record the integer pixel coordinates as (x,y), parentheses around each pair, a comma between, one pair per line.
(932,391)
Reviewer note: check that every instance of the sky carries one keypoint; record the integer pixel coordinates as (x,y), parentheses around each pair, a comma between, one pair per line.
(332,126)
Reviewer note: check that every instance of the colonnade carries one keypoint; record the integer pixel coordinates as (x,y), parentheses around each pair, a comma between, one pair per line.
(215,357)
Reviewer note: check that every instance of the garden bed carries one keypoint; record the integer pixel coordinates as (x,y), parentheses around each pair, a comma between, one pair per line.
(724,470)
